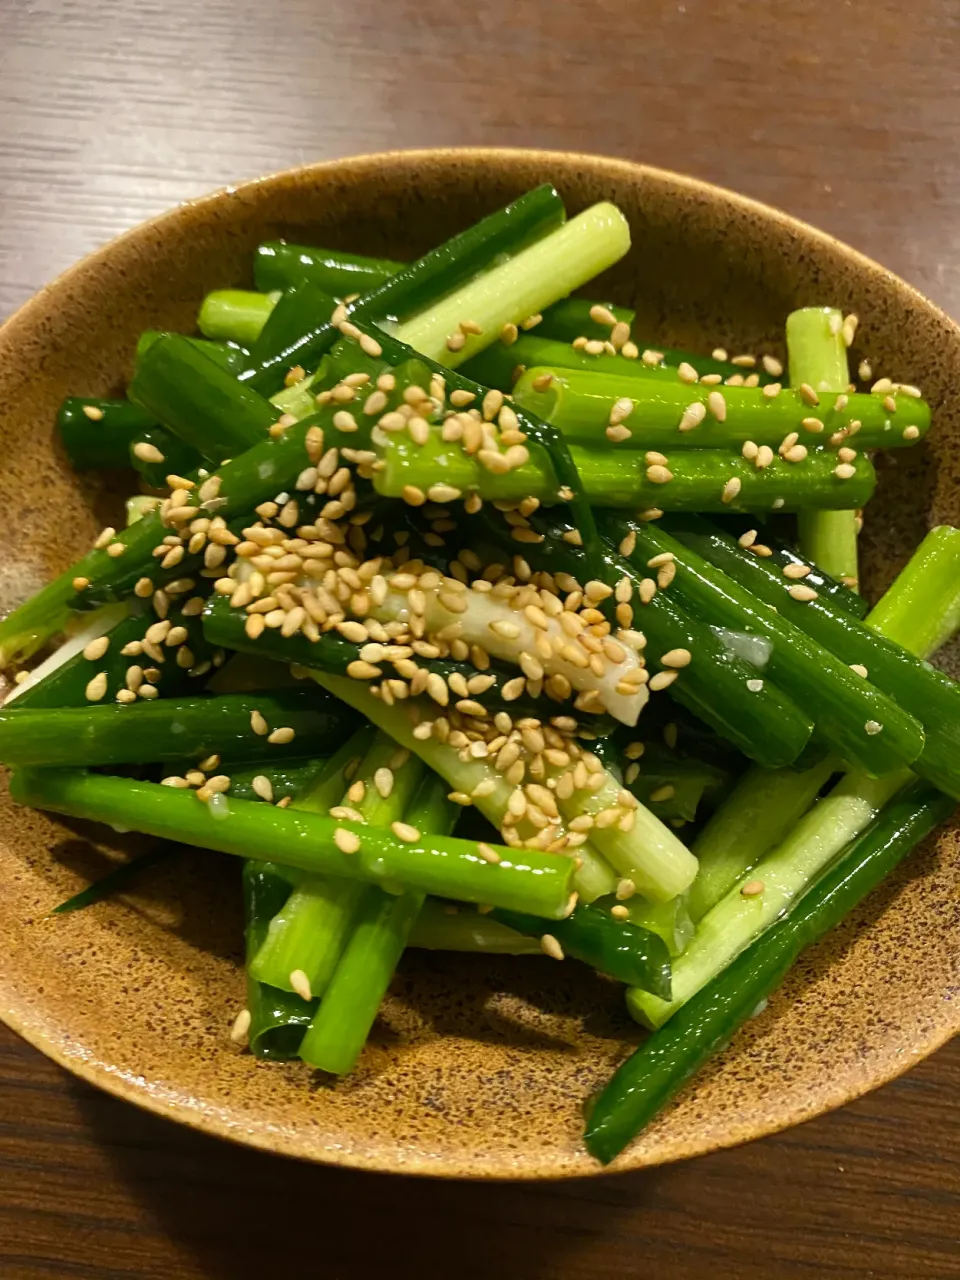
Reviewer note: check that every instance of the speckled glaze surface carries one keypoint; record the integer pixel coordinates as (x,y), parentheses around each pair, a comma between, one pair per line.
(479,1068)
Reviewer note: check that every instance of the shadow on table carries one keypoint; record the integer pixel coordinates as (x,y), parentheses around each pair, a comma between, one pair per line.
(244,1213)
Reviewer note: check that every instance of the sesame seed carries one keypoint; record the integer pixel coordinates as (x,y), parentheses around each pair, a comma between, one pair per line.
(755,686)
(413,496)
(96,648)
(808,395)
(802,592)
(717,405)
(666,792)
(258,724)
(300,984)
(620,912)
(621,410)
(600,314)
(676,658)
(882,386)
(618,434)
(692,416)
(81,584)
(911,433)
(96,688)
(383,781)
(662,680)
(764,457)
(752,889)
(147,452)
(346,841)
(486,853)
(659,474)
(859,669)
(771,390)
(443,493)
(282,736)
(795,570)
(685,372)
(772,366)
(873,727)
(508,334)
(403,831)
(796,453)
(551,947)
(263,787)
(845,471)
(370,345)
(594,347)
(747,539)
(241,1027)
(744,361)
(650,357)
(730,489)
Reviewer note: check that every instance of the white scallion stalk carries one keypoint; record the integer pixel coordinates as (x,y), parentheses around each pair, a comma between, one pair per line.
(521,287)
(730,926)
(657,861)
(508,634)
(595,878)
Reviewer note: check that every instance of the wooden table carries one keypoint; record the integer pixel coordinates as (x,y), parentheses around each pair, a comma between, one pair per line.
(844,113)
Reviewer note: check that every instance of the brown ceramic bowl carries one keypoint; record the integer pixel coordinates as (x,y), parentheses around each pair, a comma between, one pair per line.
(479,1067)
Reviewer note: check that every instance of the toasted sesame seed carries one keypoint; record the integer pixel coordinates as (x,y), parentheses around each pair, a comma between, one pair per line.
(873,727)
(413,496)
(717,405)
(383,781)
(628,542)
(692,416)
(282,736)
(600,314)
(240,1029)
(685,372)
(807,394)
(263,787)
(676,658)
(802,592)
(81,584)
(752,889)
(620,912)
(795,570)
(764,457)
(96,648)
(666,792)
(911,433)
(300,984)
(746,540)
(258,724)
(96,687)
(657,473)
(551,947)
(859,669)
(772,366)
(730,489)
(147,452)
(403,831)
(845,471)
(509,334)
(487,853)
(662,680)
(755,686)
(616,435)
(346,841)
(744,361)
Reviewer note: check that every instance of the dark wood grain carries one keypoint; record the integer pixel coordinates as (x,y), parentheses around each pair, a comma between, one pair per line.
(843,113)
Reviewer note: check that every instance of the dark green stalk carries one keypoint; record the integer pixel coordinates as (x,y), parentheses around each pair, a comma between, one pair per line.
(169,729)
(98,433)
(200,401)
(278,265)
(229,355)
(648,1079)
(860,722)
(617,948)
(932,697)
(297,334)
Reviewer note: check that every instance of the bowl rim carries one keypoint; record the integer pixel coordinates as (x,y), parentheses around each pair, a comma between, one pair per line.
(161,1100)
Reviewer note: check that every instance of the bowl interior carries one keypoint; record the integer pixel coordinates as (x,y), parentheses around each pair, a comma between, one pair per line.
(478,1067)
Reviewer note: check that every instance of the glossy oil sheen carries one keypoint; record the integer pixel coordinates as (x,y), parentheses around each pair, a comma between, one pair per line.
(480,1066)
